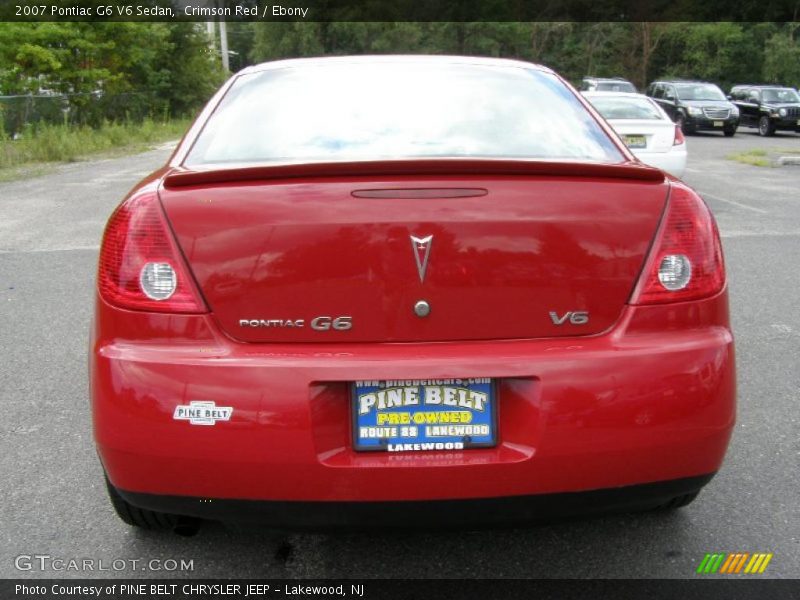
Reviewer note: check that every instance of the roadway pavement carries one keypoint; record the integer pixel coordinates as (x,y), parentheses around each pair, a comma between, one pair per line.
(54,500)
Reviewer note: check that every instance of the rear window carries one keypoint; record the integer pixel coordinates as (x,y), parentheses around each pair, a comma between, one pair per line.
(371,111)
(626,108)
(615,86)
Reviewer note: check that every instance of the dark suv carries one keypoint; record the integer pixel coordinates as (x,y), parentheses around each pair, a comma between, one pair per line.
(768,107)
(696,105)
(607,84)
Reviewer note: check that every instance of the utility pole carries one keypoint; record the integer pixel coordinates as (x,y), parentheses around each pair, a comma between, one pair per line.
(223,46)
(212,34)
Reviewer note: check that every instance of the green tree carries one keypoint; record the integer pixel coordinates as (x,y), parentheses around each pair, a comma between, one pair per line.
(168,65)
(726,53)
(782,58)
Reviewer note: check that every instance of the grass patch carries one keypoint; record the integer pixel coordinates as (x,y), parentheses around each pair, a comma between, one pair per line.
(41,148)
(757,158)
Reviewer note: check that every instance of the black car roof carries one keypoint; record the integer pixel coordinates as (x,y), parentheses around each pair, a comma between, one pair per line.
(593,78)
(682,81)
(765,86)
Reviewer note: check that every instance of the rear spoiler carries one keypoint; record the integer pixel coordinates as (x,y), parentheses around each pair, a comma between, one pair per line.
(184,177)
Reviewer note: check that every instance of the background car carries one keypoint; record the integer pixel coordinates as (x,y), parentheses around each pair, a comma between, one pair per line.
(607,84)
(770,108)
(695,105)
(449,296)
(645,128)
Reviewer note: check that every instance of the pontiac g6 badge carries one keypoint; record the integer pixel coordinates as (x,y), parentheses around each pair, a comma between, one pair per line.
(323,323)
(422,252)
(202,412)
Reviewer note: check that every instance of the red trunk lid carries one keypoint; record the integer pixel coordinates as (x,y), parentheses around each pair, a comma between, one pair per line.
(509,255)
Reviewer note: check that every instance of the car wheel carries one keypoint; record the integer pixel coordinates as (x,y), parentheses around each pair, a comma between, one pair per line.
(140,517)
(765,127)
(679,501)
(729,132)
(681,122)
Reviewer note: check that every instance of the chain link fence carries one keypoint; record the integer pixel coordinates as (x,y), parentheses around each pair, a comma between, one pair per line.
(18,113)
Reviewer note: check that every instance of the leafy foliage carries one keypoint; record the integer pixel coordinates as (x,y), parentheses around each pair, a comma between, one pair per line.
(726,53)
(121,71)
(171,61)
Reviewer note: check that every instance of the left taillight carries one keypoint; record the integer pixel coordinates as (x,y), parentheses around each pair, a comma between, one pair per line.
(679,139)
(141,267)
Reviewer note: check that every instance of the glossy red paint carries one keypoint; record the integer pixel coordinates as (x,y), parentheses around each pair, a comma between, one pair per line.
(499,264)
(652,399)
(643,393)
(186,177)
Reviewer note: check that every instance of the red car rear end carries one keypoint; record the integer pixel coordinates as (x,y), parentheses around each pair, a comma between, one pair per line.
(451,293)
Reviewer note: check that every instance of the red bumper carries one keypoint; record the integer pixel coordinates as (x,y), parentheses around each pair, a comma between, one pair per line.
(653,399)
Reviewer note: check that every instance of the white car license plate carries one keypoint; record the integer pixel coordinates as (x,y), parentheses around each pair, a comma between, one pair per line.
(635,141)
(718,123)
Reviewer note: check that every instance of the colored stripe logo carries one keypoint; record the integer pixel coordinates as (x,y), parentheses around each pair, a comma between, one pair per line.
(734,563)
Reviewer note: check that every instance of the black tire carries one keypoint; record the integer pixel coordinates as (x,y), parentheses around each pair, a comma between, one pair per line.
(729,132)
(140,517)
(680,121)
(765,127)
(679,501)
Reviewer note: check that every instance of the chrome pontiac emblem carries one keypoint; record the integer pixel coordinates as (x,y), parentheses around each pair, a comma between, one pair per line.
(422,252)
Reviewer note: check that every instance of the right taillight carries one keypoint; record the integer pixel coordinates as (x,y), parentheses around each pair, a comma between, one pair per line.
(679,139)
(141,267)
(685,262)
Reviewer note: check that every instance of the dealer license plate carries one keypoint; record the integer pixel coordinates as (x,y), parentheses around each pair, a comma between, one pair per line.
(635,141)
(719,123)
(424,414)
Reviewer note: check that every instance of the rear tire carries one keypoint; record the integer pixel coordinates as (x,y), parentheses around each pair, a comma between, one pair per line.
(140,517)
(679,501)
(765,127)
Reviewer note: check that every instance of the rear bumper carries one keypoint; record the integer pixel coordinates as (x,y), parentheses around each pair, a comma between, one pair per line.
(651,400)
(416,514)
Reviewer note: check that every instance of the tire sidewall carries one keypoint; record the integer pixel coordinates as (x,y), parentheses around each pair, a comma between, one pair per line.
(680,121)
(764,128)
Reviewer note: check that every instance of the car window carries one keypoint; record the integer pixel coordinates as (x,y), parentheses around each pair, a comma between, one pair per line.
(658,90)
(615,86)
(699,91)
(365,111)
(620,107)
(780,95)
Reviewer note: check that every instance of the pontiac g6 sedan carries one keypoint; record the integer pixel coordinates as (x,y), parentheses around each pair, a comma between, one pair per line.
(404,290)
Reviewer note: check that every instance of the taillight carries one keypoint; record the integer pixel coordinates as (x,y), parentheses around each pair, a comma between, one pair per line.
(679,139)
(141,267)
(685,262)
